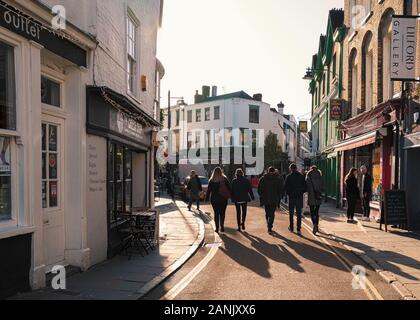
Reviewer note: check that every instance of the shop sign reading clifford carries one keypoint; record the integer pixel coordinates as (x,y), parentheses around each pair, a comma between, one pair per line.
(403,48)
(26,26)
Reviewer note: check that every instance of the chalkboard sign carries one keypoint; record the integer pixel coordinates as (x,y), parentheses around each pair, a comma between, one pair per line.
(395,208)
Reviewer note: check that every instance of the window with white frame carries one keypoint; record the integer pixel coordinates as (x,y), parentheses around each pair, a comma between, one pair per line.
(7,88)
(189,116)
(50,92)
(198,115)
(217,113)
(131,54)
(207,114)
(7,122)
(254,114)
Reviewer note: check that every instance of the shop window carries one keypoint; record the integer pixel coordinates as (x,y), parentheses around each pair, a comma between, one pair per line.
(50,166)
(5,180)
(7,88)
(50,92)
(119,181)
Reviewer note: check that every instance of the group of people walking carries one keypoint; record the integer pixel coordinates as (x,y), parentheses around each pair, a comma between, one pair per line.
(272,188)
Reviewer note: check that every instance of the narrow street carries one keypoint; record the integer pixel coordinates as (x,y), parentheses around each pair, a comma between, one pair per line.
(255,265)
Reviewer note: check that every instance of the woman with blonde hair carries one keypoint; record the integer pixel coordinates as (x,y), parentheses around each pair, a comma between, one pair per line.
(352,194)
(218,192)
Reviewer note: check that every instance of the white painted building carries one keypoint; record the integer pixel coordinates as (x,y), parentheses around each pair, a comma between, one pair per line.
(200,122)
(77,113)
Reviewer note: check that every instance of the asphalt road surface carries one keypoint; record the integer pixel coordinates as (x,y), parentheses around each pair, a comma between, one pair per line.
(253,265)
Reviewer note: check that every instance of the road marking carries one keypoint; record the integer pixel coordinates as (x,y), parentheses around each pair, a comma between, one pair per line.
(180,286)
(347,264)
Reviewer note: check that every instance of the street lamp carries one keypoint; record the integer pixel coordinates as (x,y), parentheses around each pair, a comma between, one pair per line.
(310,73)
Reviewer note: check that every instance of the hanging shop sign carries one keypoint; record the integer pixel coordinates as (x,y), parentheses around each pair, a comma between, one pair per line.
(403,48)
(27,27)
(336,107)
(303,126)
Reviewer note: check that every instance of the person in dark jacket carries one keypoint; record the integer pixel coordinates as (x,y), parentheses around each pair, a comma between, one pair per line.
(352,194)
(315,187)
(219,192)
(241,194)
(270,190)
(367,192)
(194,187)
(295,189)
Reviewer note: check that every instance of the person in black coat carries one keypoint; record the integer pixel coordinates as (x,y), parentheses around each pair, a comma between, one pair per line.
(219,192)
(194,187)
(295,189)
(352,194)
(270,190)
(241,194)
(367,192)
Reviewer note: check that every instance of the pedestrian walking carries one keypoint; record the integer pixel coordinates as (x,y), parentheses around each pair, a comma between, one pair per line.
(270,190)
(295,189)
(241,194)
(366,192)
(194,187)
(219,192)
(315,187)
(352,194)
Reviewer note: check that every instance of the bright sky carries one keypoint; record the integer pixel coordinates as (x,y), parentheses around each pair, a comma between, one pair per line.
(259,46)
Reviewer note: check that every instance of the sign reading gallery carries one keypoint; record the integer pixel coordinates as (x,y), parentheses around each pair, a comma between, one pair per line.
(403,48)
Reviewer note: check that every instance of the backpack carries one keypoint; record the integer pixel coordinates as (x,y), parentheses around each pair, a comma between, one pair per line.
(224,191)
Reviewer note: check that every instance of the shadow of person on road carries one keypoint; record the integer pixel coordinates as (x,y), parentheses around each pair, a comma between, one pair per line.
(390,259)
(275,252)
(246,257)
(312,251)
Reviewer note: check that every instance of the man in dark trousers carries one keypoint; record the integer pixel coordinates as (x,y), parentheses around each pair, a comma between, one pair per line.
(367,192)
(295,189)
(270,189)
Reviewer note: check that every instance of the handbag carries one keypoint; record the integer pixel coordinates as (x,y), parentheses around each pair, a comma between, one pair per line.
(318,195)
(224,191)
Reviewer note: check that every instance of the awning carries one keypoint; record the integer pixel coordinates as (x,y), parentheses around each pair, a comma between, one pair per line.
(356,142)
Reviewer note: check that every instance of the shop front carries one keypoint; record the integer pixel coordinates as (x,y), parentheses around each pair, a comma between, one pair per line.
(411,177)
(42,72)
(369,142)
(121,133)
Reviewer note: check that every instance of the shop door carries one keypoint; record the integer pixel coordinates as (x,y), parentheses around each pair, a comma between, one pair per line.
(52,192)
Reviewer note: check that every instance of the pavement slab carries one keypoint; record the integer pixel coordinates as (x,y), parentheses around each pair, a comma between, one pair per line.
(395,252)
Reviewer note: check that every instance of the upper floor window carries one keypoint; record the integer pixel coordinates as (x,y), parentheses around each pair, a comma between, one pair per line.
(334,66)
(217,113)
(177,118)
(323,84)
(131,54)
(50,92)
(189,116)
(254,114)
(198,115)
(7,88)
(207,114)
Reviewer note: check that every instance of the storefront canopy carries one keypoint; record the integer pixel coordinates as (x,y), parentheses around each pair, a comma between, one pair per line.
(356,142)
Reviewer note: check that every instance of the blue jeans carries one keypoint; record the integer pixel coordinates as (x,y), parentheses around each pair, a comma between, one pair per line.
(295,203)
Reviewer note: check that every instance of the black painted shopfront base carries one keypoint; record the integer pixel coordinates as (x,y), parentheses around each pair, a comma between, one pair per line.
(15,264)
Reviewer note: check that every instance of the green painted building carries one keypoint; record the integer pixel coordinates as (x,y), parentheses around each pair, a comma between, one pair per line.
(326,75)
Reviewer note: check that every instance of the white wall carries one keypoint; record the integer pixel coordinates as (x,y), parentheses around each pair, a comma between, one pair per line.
(96,199)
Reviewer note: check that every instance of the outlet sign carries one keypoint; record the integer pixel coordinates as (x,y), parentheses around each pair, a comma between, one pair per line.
(31,29)
(403,48)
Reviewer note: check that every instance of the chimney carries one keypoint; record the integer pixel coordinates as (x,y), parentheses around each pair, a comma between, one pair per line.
(214,91)
(258,97)
(198,97)
(206,92)
(280,106)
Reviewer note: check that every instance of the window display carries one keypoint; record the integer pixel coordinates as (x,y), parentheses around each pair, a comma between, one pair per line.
(5,180)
